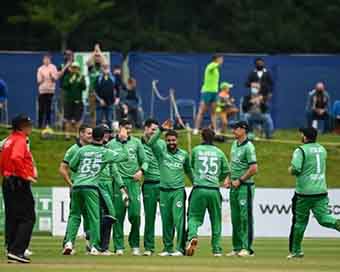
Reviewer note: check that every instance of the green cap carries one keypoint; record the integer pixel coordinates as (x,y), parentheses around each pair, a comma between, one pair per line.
(226,85)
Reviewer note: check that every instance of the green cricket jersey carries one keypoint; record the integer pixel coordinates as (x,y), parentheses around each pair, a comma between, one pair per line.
(70,153)
(210,165)
(111,172)
(88,163)
(152,174)
(137,159)
(73,87)
(172,165)
(242,156)
(309,166)
(211,78)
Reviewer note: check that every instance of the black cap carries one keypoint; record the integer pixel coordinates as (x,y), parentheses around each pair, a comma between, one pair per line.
(98,133)
(310,133)
(106,128)
(241,124)
(21,120)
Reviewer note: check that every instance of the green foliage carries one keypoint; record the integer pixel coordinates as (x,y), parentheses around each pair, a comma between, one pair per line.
(62,16)
(175,25)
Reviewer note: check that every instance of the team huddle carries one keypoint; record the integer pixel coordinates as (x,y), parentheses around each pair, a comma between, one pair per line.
(109,174)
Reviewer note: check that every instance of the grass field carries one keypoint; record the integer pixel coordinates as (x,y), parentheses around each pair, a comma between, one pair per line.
(321,255)
(273,157)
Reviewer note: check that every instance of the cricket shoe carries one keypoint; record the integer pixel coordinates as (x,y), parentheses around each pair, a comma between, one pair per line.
(148,253)
(217,254)
(245,253)
(190,250)
(107,253)
(15,258)
(295,255)
(164,254)
(119,252)
(177,254)
(232,253)
(94,252)
(68,248)
(28,253)
(135,251)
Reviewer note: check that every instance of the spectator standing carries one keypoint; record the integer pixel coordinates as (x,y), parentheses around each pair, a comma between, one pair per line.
(130,104)
(3,97)
(94,66)
(255,110)
(263,76)
(47,76)
(73,86)
(225,107)
(17,168)
(106,96)
(209,92)
(318,106)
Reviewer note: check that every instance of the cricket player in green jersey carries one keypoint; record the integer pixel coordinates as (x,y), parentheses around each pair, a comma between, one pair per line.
(174,163)
(85,138)
(87,163)
(131,172)
(243,166)
(109,178)
(150,188)
(209,92)
(309,166)
(210,168)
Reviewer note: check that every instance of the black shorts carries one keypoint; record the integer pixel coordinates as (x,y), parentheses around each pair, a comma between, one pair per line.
(73,110)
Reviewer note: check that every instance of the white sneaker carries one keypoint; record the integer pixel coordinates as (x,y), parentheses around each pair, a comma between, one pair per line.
(295,255)
(107,253)
(147,253)
(164,254)
(119,252)
(94,252)
(232,253)
(68,248)
(195,131)
(190,250)
(177,254)
(245,253)
(217,254)
(28,253)
(135,251)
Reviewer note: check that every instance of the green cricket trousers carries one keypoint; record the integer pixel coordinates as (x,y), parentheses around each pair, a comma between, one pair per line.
(204,198)
(151,197)
(241,206)
(302,205)
(172,205)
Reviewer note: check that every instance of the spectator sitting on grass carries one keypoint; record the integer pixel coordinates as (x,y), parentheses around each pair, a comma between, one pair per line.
(255,110)
(225,106)
(318,106)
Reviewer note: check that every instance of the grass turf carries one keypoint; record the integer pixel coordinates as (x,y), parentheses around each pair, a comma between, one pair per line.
(273,157)
(321,255)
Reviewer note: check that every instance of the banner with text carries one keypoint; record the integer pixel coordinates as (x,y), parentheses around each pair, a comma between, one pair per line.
(43,210)
(272,214)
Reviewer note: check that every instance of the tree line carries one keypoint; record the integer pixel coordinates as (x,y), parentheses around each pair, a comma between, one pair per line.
(247,26)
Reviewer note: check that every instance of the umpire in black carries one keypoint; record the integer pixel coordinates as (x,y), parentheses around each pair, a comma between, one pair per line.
(18,171)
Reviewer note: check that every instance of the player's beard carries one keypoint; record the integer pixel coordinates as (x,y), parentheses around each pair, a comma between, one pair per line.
(172,147)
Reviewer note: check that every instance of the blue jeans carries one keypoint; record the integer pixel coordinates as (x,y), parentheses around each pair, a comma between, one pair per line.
(263,119)
(102,113)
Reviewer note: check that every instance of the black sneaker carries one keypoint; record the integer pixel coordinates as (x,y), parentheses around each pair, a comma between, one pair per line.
(13,258)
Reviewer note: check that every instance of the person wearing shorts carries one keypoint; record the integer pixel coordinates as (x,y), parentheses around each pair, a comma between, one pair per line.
(73,86)
(209,92)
